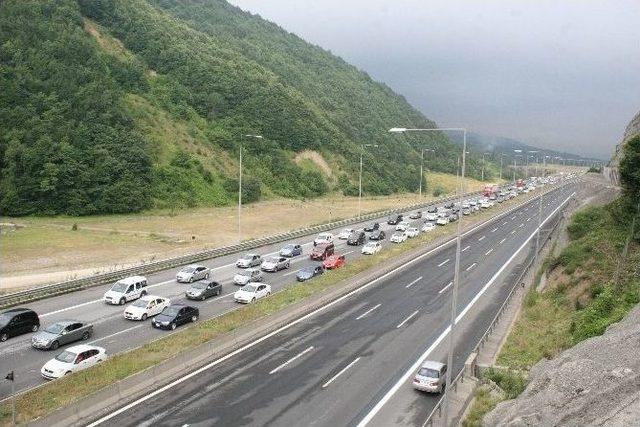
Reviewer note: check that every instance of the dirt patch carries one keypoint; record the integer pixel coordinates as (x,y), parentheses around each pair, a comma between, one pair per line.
(316,158)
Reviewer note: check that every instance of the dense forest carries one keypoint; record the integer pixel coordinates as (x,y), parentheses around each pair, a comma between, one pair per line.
(124,105)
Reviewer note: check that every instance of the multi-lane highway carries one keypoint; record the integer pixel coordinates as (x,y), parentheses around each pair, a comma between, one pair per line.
(117,334)
(337,366)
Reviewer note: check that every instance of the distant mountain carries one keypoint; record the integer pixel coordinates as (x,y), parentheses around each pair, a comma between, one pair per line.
(496,145)
(123,105)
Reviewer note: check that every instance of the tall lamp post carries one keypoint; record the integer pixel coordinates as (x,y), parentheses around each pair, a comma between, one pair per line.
(360,178)
(501,156)
(240,186)
(456,274)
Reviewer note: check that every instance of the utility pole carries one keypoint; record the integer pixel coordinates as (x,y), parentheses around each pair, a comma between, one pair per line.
(501,156)
(360,177)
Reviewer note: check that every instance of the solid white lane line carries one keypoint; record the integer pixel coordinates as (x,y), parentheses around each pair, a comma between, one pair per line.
(117,333)
(445,288)
(481,238)
(294,358)
(488,252)
(367,312)
(502,241)
(414,282)
(407,319)
(71,308)
(325,307)
(411,371)
(467,247)
(471,266)
(494,230)
(443,262)
(325,385)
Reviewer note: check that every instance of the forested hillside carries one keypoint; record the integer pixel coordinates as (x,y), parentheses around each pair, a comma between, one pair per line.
(123,105)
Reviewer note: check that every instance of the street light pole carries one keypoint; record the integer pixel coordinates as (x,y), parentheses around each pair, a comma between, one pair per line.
(240,186)
(535,256)
(456,274)
(421,164)
(482,174)
(501,156)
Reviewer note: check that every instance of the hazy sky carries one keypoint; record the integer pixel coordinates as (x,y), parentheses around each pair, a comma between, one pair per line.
(560,74)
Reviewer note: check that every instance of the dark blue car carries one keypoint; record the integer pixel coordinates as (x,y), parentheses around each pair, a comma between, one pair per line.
(309,272)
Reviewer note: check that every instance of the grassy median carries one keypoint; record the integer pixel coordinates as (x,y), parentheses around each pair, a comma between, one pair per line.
(43,400)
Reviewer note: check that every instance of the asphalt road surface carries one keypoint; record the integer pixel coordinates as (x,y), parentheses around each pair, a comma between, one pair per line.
(334,367)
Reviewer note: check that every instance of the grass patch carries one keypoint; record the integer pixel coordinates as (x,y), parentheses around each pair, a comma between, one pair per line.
(59,393)
(484,402)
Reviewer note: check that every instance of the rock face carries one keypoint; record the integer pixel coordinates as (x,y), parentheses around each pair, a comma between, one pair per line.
(597,382)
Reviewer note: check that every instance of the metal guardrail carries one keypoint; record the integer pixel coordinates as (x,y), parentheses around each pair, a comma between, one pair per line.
(154,266)
(437,410)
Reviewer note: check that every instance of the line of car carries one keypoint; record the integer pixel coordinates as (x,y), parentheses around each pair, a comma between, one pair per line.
(168,315)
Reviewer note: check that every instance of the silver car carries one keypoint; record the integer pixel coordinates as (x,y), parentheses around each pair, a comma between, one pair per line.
(431,377)
(192,273)
(275,263)
(248,275)
(63,332)
(249,260)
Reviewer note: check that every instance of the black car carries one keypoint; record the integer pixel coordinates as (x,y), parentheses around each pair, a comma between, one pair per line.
(309,272)
(377,235)
(449,205)
(356,238)
(432,209)
(393,220)
(372,227)
(203,290)
(17,321)
(175,315)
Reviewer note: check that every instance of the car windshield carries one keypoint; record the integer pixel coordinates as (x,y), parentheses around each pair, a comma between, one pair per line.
(56,328)
(429,373)
(4,319)
(247,257)
(246,273)
(188,270)
(288,247)
(249,288)
(370,245)
(140,303)
(119,287)
(397,234)
(274,259)
(200,285)
(66,357)
(171,311)
(307,270)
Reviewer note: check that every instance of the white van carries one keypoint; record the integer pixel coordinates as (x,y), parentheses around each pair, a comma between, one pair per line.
(125,290)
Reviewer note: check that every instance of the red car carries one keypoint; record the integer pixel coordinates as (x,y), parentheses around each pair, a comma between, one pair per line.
(334,261)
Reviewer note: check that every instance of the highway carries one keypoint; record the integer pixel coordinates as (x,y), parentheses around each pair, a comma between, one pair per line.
(117,334)
(332,368)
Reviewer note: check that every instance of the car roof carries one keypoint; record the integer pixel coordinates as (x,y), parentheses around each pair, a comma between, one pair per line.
(132,279)
(150,297)
(194,265)
(16,310)
(83,347)
(68,322)
(430,364)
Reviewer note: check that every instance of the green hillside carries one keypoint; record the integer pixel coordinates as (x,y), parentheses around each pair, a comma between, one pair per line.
(119,106)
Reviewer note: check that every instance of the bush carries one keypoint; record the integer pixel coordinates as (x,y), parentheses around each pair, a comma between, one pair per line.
(438,191)
(511,382)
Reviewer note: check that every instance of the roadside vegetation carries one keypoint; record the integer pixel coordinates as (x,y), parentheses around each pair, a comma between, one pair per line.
(43,400)
(593,283)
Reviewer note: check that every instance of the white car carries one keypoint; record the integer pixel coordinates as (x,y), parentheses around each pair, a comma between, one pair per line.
(275,263)
(443,221)
(398,237)
(432,216)
(323,238)
(428,226)
(371,248)
(252,292)
(191,273)
(412,232)
(443,213)
(128,289)
(402,226)
(73,359)
(147,306)
(344,234)
(485,205)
